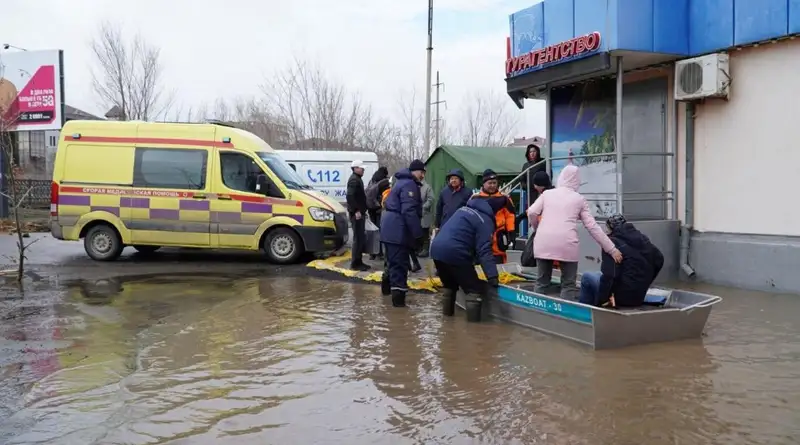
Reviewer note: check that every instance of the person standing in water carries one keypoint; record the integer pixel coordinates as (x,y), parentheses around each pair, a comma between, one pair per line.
(401,229)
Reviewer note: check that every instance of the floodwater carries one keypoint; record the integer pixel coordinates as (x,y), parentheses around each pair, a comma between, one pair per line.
(296,360)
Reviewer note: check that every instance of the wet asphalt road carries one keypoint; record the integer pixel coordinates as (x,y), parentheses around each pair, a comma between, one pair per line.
(48,256)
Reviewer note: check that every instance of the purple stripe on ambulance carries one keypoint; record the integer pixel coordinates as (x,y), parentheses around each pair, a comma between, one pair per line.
(226,217)
(135,203)
(256,207)
(112,210)
(191,204)
(165,214)
(298,218)
(74,200)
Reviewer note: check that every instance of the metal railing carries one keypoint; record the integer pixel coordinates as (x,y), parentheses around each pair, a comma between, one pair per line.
(525,178)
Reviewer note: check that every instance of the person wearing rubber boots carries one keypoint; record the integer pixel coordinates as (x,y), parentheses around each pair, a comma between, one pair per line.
(465,239)
(504,212)
(401,229)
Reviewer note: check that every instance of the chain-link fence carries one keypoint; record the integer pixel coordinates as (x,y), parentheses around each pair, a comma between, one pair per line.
(36,193)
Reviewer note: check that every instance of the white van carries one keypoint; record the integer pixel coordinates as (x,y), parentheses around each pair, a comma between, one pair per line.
(328,171)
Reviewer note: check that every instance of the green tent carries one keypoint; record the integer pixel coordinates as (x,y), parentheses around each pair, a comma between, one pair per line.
(472,161)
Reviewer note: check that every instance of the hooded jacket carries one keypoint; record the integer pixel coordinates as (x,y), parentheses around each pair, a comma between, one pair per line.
(467,237)
(450,199)
(402,210)
(380,174)
(527,180)
(629,280)
(560,209)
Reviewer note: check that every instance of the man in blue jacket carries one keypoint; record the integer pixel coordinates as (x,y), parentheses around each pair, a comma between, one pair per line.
(465,238)
(452,197)
(401,228)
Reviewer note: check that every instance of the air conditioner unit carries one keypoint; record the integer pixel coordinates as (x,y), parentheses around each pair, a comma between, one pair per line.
(701,77)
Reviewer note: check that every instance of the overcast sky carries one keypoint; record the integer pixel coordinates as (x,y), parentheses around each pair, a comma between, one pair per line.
(213,48)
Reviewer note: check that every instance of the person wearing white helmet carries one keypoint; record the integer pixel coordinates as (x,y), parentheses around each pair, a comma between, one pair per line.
(357,210)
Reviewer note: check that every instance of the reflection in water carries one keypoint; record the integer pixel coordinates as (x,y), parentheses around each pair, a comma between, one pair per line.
(211,359)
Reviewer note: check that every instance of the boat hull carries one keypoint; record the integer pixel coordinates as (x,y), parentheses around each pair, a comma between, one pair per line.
(683,316)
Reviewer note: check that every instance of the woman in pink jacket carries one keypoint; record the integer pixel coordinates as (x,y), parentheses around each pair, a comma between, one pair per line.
(556,237)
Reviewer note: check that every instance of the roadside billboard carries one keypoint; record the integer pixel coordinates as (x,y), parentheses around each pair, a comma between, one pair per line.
(32,89)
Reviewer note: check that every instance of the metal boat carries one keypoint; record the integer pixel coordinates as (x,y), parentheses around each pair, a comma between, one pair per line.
(680,315)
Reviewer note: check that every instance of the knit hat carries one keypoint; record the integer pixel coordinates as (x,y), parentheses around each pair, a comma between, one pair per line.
(417,165)
(488,175)
(542,179)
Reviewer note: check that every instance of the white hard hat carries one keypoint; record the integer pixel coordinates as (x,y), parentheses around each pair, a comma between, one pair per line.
(356,164)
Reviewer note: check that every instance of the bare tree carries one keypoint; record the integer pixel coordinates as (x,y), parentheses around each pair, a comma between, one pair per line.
(411,125)
(320,113)
(487,120)
(128,75)
(14,190)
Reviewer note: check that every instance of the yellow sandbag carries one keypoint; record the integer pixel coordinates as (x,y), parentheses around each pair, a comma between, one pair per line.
(430,283)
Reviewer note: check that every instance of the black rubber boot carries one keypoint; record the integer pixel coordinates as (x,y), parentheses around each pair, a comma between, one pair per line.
(448,303)
(473,306)
(398,298)
(386,288)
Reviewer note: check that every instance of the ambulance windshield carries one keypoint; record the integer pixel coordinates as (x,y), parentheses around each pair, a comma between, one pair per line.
(287,175)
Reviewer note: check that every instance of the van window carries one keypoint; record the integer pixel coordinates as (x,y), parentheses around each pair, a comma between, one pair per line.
(293,167)
(239,171)
(170,168)
(283,171)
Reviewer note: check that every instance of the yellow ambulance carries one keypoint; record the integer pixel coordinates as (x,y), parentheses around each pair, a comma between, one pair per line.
(148,185)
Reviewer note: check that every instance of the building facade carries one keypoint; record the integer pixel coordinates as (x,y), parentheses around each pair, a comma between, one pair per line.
(720,168)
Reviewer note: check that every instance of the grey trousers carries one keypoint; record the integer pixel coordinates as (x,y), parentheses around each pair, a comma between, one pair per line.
(569,276)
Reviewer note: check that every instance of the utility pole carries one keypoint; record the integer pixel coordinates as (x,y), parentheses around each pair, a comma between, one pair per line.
(437,129)
(428,80)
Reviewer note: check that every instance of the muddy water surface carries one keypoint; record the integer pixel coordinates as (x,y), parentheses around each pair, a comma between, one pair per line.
(278,360)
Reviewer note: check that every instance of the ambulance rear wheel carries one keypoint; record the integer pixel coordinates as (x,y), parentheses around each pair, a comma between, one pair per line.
(103,243)
(283,246)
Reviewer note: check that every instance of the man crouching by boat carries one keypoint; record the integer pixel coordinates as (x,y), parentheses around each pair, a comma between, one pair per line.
(624,284)
(467,235)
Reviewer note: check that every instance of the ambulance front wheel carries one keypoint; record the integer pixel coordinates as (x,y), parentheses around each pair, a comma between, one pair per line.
(283,246)
(103,243)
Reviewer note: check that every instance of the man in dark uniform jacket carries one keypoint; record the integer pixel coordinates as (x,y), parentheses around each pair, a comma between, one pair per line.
(357,209)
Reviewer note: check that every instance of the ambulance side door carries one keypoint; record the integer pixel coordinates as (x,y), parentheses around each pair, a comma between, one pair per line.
(238,210)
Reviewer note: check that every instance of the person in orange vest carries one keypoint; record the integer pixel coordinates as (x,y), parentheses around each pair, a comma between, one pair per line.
(504,213)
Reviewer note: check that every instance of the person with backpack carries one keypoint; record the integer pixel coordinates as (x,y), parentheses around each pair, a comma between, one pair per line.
(378,183)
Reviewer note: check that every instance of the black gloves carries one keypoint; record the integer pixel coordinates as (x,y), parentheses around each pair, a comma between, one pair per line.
(493,282)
